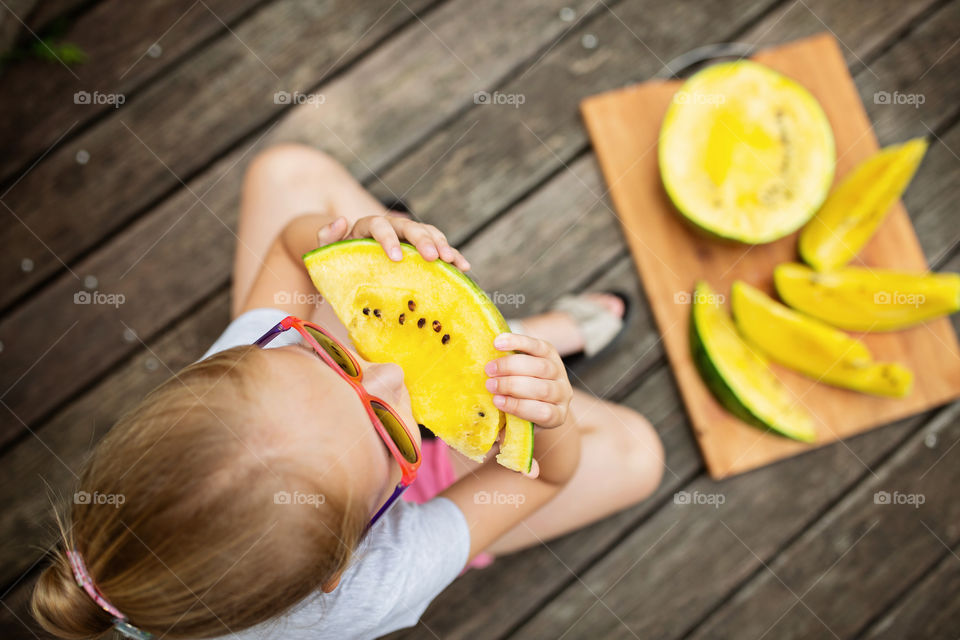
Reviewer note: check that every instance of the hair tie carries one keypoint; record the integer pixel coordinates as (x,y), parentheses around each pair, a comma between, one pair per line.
(84,580)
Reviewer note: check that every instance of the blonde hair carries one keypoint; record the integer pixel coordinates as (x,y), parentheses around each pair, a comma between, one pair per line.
(176,515)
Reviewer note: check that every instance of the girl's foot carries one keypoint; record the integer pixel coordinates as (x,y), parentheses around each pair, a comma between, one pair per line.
(563,331)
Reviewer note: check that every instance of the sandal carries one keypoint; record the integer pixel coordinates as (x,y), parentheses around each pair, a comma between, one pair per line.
(601,330)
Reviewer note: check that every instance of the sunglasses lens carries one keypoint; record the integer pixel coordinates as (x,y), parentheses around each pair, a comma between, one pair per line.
(396,431)
(335,351)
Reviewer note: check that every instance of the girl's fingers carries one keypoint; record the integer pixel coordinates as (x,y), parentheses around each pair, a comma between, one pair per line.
(520,364)
(544,414)
(383,232)
(526,344)
(332,232)
(422,239)
(527,387)
(448,253)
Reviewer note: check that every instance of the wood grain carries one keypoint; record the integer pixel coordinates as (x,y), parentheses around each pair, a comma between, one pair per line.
(116,62)
(189,237)
(624,126)
(177,126)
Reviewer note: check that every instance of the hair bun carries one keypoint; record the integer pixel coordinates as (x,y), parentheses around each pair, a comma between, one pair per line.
(64,609)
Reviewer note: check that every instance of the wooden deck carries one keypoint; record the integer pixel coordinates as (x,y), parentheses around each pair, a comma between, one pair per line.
(141,201)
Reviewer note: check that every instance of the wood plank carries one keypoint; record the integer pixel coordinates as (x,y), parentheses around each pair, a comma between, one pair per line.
(496,153)
(115,36)
(672,257)
(503,152)
(929,610)
(169,240)
(851,564)
(49,11)
(176,126)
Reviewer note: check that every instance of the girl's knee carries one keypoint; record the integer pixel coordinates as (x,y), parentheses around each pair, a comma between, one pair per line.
(291,163)
(644,454)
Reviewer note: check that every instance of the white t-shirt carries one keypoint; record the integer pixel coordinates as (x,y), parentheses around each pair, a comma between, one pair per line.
(409,556)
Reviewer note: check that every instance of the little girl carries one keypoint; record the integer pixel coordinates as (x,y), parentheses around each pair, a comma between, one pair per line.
(238,498)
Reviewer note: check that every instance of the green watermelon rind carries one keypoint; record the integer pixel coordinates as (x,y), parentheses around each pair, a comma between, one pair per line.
(724,391)
(486,304)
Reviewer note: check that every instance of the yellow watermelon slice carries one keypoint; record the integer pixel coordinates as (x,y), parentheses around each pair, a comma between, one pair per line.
(439,326)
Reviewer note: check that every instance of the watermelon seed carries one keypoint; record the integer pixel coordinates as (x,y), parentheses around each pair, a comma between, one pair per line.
(411,305)
(483,415)
(366,311)
(445,339)
(436,326)
(421,322)
(403,317)
(376,312)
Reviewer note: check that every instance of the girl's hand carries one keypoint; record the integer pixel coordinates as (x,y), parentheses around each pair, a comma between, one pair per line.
(531,384)
(389,231)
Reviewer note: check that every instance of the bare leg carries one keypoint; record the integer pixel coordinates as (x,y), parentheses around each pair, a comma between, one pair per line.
(621,463)
(283,182)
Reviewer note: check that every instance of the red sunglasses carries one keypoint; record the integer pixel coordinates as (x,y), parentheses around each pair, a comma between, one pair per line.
(392,429)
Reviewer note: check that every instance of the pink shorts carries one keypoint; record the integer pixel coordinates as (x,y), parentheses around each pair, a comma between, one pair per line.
(436,474)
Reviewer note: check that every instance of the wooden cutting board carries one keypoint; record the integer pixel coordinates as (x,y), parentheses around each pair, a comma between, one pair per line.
(624,126)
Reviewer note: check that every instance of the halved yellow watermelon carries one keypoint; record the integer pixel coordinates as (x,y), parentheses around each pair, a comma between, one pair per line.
(439,326)
(739,376)
(854,210)
(861,299)
(745,152)
(811,347)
